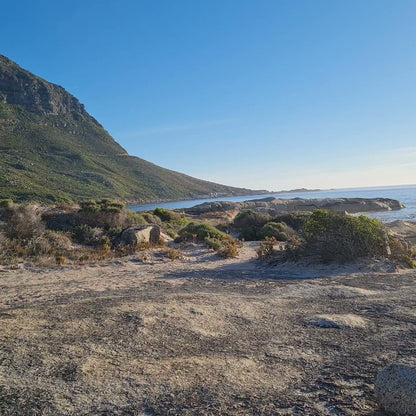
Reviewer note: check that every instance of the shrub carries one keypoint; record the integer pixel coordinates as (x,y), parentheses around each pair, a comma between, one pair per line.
(228,249)
(250,218)
(60,260)
(25,222)
(213,243)
(222,243)
(174,254)
(102,205)
(106,213)
(278,230)
(345,238)
(171,233)
(202,231)
(266,248)
(166,215)
(84,234)
(104,244)
(48,243)
(133,218)
(89,206)
(249,223)
(151,219)
(295,220)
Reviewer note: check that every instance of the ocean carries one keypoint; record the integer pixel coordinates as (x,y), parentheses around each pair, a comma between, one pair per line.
(405,194)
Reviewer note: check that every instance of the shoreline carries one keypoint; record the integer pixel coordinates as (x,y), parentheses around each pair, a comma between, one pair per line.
(268,193)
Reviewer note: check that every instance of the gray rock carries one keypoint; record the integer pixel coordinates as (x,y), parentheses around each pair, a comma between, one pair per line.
(395,390)
(144,234)
(285,206)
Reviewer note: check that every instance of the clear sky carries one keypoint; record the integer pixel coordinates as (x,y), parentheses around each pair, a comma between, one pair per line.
(267,94)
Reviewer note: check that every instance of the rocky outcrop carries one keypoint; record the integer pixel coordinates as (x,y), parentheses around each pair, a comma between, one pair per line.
(395,390)
(145,234)
(20,87)
(404,230)
(284,206)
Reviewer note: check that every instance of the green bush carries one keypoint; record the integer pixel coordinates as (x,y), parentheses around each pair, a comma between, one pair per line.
(102,205)
(104,244)
(295,220)
(345,238)
(133,218)
(228,249)
(266,248)
(249,219)
(222,243)
(202,231)
(84,234)
(166,215)
(278,230)
(213,243)
(151,219)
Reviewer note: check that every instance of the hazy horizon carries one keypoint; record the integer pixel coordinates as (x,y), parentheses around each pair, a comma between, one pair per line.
(263,95)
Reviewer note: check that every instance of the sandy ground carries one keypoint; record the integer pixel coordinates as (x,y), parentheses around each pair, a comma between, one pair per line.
(201,336)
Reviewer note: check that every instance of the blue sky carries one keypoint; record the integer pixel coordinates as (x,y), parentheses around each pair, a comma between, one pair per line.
(263,94)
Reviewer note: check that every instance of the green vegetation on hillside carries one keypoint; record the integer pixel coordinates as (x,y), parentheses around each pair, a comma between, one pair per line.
(52,150)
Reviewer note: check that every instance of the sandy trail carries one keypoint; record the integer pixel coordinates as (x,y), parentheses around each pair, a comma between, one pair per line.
(201,335)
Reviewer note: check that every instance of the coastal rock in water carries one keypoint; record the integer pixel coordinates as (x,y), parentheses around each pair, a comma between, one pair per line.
(395,390)
(145,234)
(286,206)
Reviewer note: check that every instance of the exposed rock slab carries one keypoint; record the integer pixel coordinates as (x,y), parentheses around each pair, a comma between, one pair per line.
(285,206)
(405,230)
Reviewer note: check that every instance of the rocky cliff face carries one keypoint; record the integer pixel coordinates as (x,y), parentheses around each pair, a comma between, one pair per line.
(20,87)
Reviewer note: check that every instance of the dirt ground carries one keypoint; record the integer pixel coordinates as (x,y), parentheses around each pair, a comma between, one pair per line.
(201,336)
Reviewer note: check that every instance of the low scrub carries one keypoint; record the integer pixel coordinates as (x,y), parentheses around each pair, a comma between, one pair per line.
(344,238)
(215,239)
(166,215)
(201,231)
(250,218)
(174,254)
(256,226)
(102,205)
(24,222)
(90,233)
(277,230)
(228,249)
(151,218)
(213,243)
(295,220)
(266,248)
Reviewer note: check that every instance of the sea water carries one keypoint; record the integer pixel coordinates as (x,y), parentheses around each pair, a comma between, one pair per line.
(405,194)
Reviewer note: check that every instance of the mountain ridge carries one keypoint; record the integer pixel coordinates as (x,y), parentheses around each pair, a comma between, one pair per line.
(52,149)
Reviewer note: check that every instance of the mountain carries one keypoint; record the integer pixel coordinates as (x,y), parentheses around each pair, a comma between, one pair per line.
(51,149)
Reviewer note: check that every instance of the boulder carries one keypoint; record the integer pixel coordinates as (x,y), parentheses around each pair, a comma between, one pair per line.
(395,390)
(144,234)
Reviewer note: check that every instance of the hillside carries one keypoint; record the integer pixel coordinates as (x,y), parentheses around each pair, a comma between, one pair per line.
(52,149)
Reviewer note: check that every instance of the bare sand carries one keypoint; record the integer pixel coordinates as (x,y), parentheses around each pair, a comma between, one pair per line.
(201,336)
